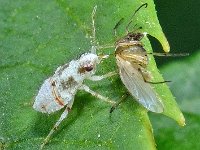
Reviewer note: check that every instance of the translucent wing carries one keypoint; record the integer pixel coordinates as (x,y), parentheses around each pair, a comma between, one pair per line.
(139,89)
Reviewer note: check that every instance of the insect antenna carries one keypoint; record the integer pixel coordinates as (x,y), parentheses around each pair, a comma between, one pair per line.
(135,29)
(93,38)
(117,25)
(131,20)
(93,41)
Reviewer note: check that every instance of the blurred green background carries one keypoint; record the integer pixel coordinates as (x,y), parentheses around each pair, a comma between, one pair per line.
(180,21)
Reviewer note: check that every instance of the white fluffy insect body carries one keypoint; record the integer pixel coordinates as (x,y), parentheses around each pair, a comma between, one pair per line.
(59,90)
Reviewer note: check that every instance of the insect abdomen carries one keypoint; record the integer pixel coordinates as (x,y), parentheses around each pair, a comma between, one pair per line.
(46,101)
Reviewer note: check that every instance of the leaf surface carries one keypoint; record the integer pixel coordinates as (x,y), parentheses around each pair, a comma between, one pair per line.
(38,36)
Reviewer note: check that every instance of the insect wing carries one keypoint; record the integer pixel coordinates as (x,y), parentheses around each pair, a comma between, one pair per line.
(139,89)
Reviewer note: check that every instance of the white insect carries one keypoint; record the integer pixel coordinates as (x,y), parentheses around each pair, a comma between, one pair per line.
(59,90)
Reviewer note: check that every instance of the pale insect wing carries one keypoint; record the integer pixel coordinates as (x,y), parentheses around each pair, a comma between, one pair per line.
(45,100)
(139,89)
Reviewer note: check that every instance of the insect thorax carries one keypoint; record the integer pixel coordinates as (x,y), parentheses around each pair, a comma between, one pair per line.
(133,52)
(131,37)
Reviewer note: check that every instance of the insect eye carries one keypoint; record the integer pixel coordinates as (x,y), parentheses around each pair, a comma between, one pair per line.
(89,68)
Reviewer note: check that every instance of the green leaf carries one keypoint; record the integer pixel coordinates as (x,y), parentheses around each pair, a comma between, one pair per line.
(185,86)
(38,36)
(171,108)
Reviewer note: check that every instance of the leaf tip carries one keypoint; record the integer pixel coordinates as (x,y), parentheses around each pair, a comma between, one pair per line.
(181,121)
(163,40)
(165,45)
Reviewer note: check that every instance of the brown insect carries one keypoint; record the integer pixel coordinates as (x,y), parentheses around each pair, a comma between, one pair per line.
(132,60)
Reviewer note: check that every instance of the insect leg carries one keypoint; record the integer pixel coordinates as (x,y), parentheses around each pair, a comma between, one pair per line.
(170,54)
(105,46)
(98,78)
(143,73)
(119,102)
(62,117)
(105,99)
